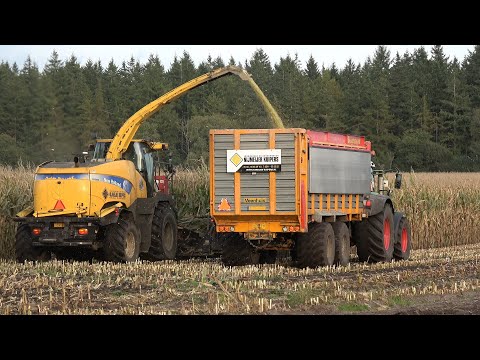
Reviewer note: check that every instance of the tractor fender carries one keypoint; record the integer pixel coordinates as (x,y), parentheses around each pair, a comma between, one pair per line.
(378,204)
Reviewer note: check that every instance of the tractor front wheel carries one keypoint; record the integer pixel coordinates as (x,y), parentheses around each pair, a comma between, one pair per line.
(403,239)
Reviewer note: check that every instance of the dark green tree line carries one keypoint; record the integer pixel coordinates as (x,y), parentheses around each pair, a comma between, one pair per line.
(421,110)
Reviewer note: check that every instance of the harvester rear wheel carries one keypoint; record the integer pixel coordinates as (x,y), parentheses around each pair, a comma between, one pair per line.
(237,251)
(317,247)
(342,243)
(24,250)
(164,234)
(122,241)
(403,239)
(375,240)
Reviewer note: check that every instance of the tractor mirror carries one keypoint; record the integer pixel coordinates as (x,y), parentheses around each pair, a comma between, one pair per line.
(91,147)
(398,181)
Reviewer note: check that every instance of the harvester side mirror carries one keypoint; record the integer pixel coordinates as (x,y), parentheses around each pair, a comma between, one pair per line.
(398,181)
(91,147)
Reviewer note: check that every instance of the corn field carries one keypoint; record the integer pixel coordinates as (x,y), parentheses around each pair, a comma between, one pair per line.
(442,208)
(447,276)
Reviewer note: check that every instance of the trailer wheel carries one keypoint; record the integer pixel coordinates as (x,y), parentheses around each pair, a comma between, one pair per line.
(403,240)
(237,251)
(268,257)
(375,240)
(317,247)
(24,250)
(122,241)
(342,243)
(164,233)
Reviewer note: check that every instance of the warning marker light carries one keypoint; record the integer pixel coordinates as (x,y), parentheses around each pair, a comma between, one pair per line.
(59,205)
(82,231)
(224,205)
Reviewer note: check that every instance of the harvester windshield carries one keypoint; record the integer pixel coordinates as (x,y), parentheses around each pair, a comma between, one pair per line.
(101,148)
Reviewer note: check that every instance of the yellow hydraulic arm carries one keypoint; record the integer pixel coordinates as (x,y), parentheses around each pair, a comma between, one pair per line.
(124,136)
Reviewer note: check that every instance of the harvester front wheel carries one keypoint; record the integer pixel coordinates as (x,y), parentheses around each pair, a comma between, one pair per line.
(122,241)
(236,251)
(24,250)
(164,233)
(377,242)
(316,247)
(342,243)
(403,238)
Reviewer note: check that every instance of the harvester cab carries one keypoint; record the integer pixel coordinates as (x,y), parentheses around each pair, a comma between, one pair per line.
(155,170)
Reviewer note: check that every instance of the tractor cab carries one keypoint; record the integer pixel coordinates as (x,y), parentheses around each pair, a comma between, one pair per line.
(141,153)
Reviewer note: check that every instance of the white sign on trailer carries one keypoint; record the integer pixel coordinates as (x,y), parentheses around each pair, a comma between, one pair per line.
(269,160)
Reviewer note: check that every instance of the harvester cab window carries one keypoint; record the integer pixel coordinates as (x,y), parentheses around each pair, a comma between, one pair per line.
(149,170)
(134,154)
(138,153)
(100,153)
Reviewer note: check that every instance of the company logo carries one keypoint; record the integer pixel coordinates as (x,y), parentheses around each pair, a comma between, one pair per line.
(236,159)
(105,193)
(254,160)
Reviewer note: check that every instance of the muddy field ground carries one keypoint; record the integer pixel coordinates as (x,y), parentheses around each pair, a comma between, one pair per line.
(434,281)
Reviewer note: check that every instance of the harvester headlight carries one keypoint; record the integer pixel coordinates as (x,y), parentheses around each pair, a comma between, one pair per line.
(284,229)
(232,228)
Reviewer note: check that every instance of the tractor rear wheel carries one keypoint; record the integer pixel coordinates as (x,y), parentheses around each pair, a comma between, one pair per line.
(403,239)
(316,247)
(375,240)
(122,241)
(342,243)
(237,251)
(163,245)
(24,249)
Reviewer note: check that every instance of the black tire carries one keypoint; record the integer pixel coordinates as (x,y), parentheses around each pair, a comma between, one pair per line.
(236,251)
(268,257)
(316,247)
(122,241)
(403,239)
(24,249)
(342,243)
(375,239)
(164,244)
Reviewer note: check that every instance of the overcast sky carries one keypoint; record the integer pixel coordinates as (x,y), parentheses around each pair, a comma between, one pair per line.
(323,54)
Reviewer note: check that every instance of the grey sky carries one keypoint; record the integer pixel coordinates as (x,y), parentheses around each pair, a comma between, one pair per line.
(323,54)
